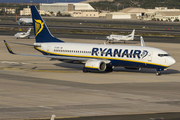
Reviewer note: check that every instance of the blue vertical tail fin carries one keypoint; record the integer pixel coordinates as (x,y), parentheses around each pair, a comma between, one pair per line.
(41,32)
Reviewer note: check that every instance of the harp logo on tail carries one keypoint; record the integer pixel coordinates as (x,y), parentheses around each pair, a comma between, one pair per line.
(39,25)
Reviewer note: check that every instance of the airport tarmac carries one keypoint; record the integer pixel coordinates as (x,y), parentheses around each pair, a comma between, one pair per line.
(34,87)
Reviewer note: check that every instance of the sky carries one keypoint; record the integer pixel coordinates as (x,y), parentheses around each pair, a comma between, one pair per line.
(39,1)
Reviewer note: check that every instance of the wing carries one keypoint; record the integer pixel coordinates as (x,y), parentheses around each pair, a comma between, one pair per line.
(47,56)
(22,44)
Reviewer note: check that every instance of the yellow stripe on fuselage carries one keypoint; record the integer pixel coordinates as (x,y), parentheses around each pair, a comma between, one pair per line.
(99,57)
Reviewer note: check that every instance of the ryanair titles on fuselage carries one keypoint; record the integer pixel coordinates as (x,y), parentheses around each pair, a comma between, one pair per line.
(109,52)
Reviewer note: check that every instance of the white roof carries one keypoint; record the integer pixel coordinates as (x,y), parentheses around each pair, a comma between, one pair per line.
(119,13)
(78,6)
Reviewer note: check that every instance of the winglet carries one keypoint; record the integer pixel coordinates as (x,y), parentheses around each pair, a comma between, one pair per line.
(142,41)
(8,47)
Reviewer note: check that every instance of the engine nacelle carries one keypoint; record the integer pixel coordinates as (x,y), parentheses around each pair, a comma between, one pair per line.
(99,65)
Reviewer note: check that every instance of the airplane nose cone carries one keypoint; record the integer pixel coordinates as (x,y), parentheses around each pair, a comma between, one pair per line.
(171,61)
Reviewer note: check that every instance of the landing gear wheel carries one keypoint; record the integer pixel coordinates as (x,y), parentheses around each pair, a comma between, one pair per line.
(158,73)
(85,70)
(109,69)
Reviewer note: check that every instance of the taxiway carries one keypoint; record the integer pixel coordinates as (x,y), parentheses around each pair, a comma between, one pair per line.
(33,87)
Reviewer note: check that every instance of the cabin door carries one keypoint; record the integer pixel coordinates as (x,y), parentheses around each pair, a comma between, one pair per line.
(166,60)
(150,56)
(48,49)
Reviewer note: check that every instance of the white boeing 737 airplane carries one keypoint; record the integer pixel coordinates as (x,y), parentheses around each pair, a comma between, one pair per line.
(99,57)
(124,38)
(23,34)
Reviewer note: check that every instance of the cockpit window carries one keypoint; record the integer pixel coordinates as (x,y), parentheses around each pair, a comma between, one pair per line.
(162,55)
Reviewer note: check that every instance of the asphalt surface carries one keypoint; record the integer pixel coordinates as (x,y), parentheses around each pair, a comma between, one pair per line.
(95,24)
(138,23)
(79,27)
(158,116)
(33,87)
(103,37)
(125,88)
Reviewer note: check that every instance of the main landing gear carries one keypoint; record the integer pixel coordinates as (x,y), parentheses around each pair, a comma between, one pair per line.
(85,70)
(109,69)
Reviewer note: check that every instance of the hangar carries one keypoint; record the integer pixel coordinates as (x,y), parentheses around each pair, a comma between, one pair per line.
(64,7)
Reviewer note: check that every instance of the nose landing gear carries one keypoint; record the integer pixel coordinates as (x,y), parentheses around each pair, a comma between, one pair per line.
(158,71)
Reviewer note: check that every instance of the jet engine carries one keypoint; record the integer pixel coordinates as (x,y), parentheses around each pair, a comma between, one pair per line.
(99,65)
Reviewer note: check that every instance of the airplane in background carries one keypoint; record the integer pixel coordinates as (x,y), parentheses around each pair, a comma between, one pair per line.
(25,21)
(95,57)
(23,34)
(112,38)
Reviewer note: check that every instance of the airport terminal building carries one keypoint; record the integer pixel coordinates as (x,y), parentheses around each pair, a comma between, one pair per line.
(86,10)
(74,9)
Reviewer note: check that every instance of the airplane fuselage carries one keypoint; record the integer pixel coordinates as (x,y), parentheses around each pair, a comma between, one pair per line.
(119,55)
(98,57)
(120,37)
(21,35)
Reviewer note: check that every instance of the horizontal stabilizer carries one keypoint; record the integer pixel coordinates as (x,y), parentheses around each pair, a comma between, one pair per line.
(47,56)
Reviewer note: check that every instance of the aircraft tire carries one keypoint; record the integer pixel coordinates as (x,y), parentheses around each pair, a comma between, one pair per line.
(109,69)
(85,70)
(158,73)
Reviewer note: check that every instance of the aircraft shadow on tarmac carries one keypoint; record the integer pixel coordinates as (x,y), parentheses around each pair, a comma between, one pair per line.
(116,69)
(70,65)
(145,70)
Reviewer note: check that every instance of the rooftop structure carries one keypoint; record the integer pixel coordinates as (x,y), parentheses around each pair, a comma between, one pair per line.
(64,7)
